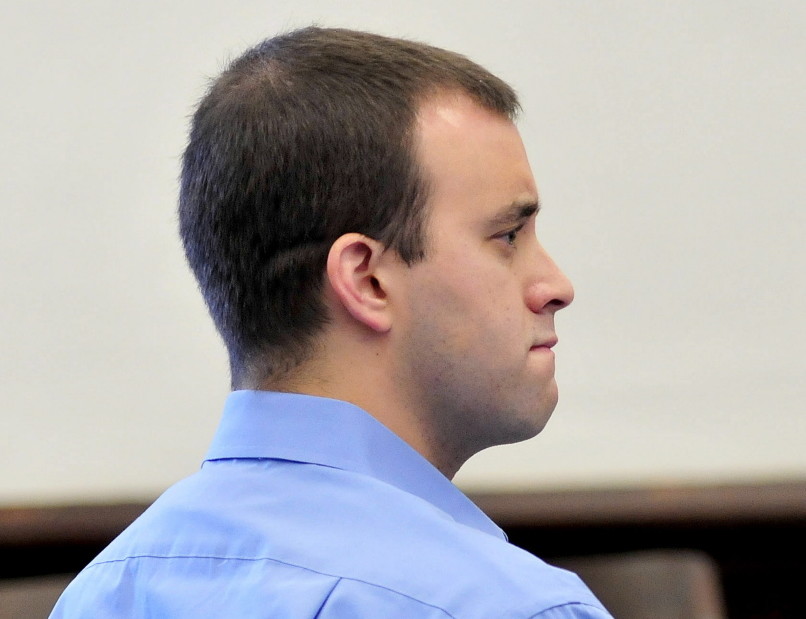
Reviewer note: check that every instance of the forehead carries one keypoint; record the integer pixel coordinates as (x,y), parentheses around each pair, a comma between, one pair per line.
(472,159)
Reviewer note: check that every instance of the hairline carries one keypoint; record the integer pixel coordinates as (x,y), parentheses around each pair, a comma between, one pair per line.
(436,94)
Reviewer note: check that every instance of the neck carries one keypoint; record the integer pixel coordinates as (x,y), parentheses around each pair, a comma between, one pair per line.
(375,388)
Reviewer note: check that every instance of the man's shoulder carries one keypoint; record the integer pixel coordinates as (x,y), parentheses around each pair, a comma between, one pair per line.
(342,537)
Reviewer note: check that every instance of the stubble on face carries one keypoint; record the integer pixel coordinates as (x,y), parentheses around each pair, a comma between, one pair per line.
(473,390)
(465,358)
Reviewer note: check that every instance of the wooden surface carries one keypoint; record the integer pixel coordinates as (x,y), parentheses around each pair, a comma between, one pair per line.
(663,504)
(783,501)
(58,524)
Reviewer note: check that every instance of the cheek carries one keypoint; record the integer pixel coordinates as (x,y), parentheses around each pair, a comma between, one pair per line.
(476,320)
(472,285)
(470,302)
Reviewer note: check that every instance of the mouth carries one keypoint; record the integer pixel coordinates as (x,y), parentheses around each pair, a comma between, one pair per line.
(546,344)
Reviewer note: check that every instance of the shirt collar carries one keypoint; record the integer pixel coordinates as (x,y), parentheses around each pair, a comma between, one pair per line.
(303,428)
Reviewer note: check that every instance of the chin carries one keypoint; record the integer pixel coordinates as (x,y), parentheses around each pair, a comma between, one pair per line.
(538,418)
(527,427)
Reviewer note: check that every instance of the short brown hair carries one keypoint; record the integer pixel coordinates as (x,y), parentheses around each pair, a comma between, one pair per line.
(303,138)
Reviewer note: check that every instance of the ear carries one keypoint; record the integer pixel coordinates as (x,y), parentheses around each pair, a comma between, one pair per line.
(353,272)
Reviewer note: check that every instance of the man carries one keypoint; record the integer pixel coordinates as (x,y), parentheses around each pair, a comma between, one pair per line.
(360,215)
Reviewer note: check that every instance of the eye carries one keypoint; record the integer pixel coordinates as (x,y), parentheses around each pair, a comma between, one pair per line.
(510,236)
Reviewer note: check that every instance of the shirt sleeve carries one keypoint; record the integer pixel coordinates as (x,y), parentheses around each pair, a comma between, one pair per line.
(573,611)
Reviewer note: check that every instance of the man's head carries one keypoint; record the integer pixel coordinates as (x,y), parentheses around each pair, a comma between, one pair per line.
(307,137)
(360,214)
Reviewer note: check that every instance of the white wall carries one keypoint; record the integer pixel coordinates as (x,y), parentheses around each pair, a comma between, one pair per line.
(668,142)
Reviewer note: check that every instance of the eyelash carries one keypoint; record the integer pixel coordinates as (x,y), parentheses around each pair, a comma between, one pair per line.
(510,236)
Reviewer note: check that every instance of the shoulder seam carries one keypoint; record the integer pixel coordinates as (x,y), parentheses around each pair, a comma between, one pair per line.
(567,604)
(294,565)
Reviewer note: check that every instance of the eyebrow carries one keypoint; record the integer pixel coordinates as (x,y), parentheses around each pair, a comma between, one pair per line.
(515,213)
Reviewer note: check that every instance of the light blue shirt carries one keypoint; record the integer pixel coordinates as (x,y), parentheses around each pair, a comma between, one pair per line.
(309,507)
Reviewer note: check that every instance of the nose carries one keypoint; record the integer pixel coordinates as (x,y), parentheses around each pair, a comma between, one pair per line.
(548,290)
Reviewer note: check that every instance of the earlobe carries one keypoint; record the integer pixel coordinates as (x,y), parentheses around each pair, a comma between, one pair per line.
(352,271)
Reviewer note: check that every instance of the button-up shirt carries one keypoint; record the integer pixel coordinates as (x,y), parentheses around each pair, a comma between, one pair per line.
(309,507)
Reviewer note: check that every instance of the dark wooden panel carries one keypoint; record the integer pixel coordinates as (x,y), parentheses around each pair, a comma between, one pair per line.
(59,524)
(783,501)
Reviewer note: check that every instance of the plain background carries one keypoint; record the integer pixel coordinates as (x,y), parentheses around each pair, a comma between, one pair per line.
(667,139)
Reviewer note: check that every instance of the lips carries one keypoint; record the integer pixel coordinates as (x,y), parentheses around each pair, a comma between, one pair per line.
(550,342)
